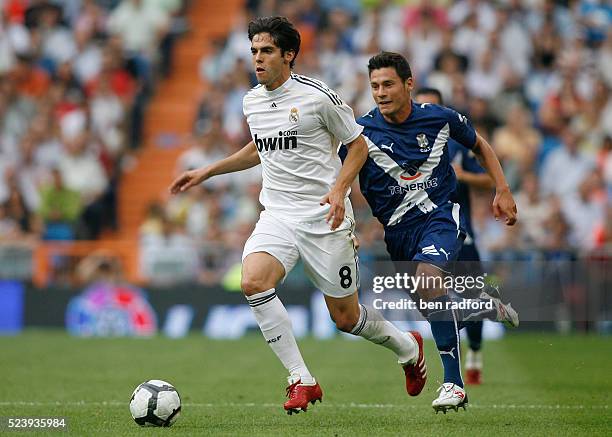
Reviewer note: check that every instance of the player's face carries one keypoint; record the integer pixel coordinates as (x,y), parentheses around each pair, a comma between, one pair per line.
(427,98)
(271,67)
(391,93)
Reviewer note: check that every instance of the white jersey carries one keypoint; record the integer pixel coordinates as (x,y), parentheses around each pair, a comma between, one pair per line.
(297,129)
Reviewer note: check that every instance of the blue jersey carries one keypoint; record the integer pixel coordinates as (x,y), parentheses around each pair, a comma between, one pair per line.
(464,158)
(408,172)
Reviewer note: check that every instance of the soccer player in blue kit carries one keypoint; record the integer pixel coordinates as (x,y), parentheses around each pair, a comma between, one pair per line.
(469,174)
(409,182)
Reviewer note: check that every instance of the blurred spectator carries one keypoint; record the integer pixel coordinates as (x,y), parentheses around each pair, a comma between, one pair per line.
(17,213)
(141,25)
(153,221)
(516,144)
(566,100)
(60,209)
(170,256)
(485,80)
(82,171)
(9,226)
(556,230)
(535,211)
(99,266)
(565,168)
(604,161)
(585,211)
(424,40)
(204,150)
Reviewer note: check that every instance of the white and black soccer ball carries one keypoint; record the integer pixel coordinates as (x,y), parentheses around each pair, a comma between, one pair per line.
(155,403)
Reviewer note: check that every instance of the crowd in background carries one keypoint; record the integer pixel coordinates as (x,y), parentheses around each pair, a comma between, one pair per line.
(533,76)
(75,78)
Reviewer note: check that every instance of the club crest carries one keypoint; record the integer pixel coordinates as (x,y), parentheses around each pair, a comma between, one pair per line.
(294,115)
(423,142)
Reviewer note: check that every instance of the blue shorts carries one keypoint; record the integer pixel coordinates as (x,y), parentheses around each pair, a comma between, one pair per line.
(436,240)
(469,252)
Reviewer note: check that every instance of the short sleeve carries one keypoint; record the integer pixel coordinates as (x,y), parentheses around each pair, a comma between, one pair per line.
(461,129)
(339,119)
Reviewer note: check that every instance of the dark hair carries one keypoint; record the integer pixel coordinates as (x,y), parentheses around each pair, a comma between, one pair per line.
(283,33)
(390,59)
(435,91)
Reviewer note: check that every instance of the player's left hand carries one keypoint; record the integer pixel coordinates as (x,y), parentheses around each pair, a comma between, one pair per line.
(336,211)
(504,206)
(458,172)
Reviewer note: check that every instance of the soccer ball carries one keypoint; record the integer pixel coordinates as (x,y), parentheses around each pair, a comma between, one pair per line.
(155,403)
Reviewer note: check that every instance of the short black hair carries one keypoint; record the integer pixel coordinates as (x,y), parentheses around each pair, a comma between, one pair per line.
(435,91)
(390,59)
(283,33)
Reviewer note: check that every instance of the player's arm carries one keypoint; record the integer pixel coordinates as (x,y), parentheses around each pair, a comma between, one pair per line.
(355,158)
(503,204)
(243,159)
(476,180)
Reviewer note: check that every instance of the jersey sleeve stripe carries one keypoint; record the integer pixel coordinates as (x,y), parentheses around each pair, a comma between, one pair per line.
(254,88)
(335,100)
(322,86)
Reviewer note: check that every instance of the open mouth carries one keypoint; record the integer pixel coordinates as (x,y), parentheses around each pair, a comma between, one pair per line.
(259,70)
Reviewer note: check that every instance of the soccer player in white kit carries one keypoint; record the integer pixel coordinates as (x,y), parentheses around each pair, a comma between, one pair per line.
(297,124)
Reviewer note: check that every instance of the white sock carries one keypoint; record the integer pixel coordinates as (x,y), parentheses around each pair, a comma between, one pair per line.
(273,320)
(374,327)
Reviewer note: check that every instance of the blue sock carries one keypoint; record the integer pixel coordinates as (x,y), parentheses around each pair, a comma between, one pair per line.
(474,333)
(446,334)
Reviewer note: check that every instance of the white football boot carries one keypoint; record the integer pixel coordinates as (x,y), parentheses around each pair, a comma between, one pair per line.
(451,397)
(505,313)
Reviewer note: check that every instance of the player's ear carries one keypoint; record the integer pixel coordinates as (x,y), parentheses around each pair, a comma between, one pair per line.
(409,84)
(289,55)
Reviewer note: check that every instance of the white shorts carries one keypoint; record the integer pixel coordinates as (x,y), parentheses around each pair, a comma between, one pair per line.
(329,257)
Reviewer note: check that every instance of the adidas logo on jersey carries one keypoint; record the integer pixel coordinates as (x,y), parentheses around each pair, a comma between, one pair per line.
(284,141)
(273,105)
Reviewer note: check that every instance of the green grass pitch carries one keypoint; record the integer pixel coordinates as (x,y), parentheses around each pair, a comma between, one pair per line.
(535,384)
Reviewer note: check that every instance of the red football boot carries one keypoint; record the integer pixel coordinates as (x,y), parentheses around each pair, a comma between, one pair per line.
(473,377)
(473,367)
(416,372)
(300,394)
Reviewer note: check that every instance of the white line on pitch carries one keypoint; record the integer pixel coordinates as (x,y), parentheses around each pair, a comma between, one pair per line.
(328,405)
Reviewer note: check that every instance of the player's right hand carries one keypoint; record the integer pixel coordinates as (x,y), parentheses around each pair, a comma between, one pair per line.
(187,180)
(504,206)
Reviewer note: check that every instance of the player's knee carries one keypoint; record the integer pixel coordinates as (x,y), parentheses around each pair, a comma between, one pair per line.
(252,285)
(429,294)
(345,322)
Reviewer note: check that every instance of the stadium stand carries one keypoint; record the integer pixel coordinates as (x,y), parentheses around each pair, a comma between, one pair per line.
(98,119)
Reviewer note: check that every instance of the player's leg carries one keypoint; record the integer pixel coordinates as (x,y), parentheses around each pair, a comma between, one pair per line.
(469,263)
(330,260)
(439,243)
(269,254)
(260,274)
(365,321)
(473,357)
